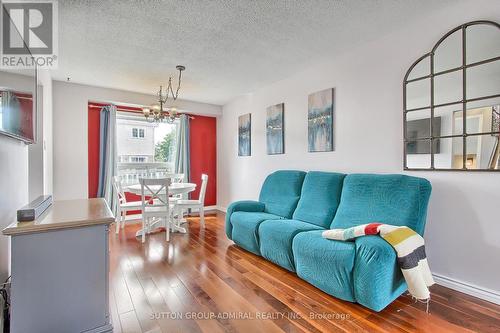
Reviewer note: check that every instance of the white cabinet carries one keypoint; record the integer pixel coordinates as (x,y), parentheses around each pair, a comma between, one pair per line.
(60,269)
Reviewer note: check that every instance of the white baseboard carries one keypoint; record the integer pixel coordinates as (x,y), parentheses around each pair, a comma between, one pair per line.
(210,208)
(207,209)
(222,209)
(467,288)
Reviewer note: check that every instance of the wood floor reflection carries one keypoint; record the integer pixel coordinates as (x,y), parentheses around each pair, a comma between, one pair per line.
(202,282)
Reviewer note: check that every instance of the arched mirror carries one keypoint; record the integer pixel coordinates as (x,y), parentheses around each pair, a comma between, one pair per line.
(452,102)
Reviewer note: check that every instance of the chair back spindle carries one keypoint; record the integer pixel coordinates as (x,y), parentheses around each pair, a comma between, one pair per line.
(203,189)
(120,193)
(154,196)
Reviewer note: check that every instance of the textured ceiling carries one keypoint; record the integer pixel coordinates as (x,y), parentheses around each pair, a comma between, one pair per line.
(229,47)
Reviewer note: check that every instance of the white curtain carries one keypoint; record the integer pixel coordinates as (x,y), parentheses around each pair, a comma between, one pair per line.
(107,155)
(182,148)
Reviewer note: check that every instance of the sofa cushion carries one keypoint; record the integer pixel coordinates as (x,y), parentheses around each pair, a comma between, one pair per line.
(281,192)
(245,206)
(392,199)
(376,265)
(320,198)
(245,228)
(326,264)
(276,240)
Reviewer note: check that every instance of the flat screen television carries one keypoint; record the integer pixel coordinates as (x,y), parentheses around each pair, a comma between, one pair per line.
(18,95)
(17,114)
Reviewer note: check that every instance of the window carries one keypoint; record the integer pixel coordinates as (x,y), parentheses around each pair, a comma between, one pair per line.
(137,159)
(137,132)
(144,149)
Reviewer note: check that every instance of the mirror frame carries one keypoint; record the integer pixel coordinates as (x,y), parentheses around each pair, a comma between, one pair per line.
(432,74)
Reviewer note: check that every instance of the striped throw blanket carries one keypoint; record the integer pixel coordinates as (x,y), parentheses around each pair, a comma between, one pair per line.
(409,247)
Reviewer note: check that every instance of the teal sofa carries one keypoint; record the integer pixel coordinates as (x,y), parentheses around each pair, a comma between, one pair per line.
(295,207)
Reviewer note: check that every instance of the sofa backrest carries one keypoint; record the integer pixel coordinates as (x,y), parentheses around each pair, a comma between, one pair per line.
(320,198)
(281,192)
(392,199)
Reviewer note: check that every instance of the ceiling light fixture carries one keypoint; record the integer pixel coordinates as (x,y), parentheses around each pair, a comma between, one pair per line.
(156,112)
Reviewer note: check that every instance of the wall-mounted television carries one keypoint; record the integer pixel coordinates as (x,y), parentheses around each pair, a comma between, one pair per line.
(18,114)
(18,97)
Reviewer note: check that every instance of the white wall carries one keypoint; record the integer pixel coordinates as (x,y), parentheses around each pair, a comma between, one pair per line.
(40,153)
(70,130)
(35,153)
(46,81)
(463,222)
(14,191)
(14,179)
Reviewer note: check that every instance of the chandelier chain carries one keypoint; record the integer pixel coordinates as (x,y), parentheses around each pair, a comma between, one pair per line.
(156,113)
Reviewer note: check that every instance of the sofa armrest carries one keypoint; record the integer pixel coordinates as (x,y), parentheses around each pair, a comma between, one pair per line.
(377,278)
(238,206)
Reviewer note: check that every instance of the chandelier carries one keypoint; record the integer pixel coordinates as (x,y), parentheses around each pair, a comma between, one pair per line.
(156,112)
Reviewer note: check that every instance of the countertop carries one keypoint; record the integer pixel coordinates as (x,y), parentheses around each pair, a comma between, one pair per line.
(65,214)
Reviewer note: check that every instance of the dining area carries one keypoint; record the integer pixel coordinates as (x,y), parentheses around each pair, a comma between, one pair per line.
(163,202)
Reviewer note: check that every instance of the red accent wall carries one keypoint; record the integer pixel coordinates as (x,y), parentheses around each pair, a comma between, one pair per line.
(203,155)
(94,123)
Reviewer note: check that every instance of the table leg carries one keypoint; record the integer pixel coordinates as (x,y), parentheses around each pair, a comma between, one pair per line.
(149,229)
(175,228)
(176,224)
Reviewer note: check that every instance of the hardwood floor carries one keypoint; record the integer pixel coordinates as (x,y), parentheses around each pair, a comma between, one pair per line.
(202,282)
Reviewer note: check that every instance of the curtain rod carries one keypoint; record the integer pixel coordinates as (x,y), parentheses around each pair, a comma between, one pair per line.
(117,108)
(23,97)
(133,111)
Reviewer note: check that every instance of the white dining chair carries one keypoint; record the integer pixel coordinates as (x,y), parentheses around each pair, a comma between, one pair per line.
(176,177)
(155,203)
(123,206)
(181,205)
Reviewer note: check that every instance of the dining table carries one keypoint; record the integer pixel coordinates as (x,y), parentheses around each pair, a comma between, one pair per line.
(173,189)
